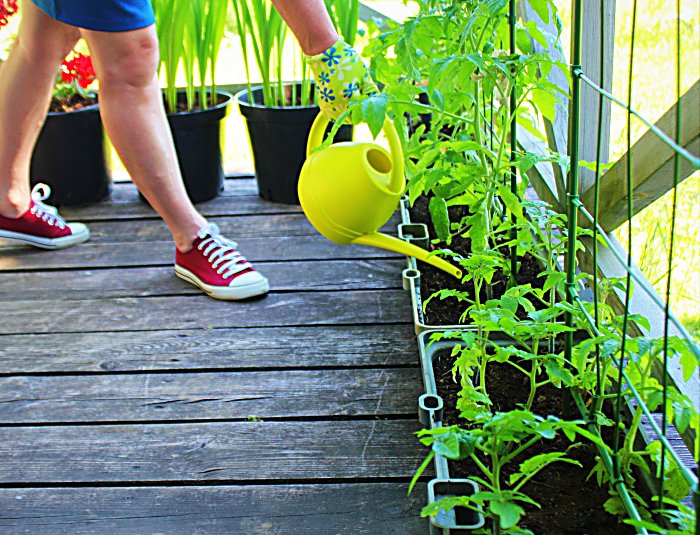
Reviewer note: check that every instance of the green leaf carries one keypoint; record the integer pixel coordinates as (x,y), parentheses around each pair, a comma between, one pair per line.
(461,146)
(541,7)
(440,217)
(558,373)
(420,471)
(527,161)
(534,32)
(689,362)
(510,200)
(477,231)
(437,99)
(508,512)
(476,60)
(494,7)
(538,462)
(523,41)
(681,416)
(545,102)
(614,506)
(454,445)
(374,112)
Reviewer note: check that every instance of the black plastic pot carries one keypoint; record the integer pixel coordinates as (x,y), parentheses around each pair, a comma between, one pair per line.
(70,157)
(198,137)
(278,138)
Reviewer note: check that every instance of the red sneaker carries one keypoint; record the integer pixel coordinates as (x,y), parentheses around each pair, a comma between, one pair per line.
(41,226)
(215,265)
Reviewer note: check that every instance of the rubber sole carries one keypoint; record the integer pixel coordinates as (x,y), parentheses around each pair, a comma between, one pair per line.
(225,293)
(80,234)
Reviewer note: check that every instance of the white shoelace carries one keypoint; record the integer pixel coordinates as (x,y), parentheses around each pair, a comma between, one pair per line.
(47,213)
(221,252)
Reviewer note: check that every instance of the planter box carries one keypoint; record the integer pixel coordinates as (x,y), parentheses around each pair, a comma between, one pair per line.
(417,234)
(430,407)
(411,283)
(460,519)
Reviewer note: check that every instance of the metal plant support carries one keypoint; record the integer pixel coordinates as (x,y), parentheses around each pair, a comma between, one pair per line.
(573,297)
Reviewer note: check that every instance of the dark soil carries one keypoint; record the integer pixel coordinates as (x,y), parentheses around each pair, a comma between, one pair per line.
(449,310)
(570,505)
(72,103)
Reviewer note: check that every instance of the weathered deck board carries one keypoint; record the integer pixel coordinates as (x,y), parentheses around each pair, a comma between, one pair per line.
(202,312)
(233,452)
(209,396)
(162,253)
(226,349)
(125,394)
(235,227)
(240,197)
(365,509)
(151,281)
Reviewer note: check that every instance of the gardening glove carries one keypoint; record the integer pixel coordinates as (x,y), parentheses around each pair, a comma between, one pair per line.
(340,75)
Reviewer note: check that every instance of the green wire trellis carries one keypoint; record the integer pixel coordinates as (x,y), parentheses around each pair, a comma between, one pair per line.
(611,461)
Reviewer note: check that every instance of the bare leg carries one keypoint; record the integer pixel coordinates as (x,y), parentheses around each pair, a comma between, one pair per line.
(131,106)
(26,83)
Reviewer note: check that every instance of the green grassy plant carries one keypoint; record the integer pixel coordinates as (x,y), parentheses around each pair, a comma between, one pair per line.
(345,16)
(190,34)
(263,33)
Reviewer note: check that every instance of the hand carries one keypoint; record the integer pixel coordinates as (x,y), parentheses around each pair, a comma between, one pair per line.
(340,75)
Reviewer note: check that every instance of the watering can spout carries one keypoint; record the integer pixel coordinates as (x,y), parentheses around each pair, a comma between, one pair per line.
(383,241)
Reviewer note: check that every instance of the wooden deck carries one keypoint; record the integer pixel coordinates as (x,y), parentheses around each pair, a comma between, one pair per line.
(131,403)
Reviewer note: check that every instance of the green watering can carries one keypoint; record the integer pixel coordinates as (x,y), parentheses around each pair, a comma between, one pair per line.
(349,190)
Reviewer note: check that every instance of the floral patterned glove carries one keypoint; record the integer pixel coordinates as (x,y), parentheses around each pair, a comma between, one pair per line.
(340,75)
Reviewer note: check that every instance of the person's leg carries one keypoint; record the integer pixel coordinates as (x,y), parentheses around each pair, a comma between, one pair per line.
(26,83)
(132,111)
(131,106)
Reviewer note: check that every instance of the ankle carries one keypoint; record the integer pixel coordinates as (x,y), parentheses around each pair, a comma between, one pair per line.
(184,247)
(185,237)
(184,243)
(14,204)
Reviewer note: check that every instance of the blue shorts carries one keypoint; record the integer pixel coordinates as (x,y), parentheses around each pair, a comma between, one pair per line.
(100,15)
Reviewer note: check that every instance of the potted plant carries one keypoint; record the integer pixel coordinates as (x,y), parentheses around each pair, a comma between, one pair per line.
(75,178)
(190,34)
(278,114)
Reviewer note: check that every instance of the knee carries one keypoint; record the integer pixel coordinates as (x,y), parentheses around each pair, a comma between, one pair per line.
(132,65)
(50,50)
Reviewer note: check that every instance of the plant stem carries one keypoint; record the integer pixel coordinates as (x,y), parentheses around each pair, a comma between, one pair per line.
(482,467)
(533,383)
(535,364)
(496,480)
(476,125)
(433,109)
(509,457)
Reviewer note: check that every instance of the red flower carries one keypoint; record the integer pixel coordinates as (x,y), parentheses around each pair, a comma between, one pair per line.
(78,69)
(7,9)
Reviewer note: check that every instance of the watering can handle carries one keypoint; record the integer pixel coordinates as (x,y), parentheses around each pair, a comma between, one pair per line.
(318,129)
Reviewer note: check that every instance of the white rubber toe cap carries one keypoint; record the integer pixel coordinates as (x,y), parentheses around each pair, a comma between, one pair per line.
(247,285)
(244,286)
